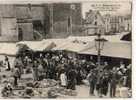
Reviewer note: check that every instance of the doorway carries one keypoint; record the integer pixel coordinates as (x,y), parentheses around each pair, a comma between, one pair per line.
(20,34)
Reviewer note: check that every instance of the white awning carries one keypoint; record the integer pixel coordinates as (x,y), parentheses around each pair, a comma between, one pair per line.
(38,45)
(74,46)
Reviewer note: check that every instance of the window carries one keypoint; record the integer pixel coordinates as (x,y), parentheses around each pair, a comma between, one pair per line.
(20,34)
(95,23)
(37,25)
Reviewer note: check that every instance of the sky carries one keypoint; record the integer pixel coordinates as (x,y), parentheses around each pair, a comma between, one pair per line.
(118,8)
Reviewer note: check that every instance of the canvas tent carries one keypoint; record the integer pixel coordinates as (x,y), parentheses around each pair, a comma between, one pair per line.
(57,42)
(73,46)
(38,45)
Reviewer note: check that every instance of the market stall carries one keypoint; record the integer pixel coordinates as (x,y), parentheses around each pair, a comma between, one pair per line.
(74,46)
(38,45)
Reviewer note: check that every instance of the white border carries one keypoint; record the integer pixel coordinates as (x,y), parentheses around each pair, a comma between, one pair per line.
(133,35)
(54,1)
(134,49)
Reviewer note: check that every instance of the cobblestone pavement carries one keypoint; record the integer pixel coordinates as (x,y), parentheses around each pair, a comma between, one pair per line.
(82,90)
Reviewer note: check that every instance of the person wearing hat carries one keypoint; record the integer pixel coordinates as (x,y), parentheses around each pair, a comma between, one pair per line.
(106,66)
(79,75)
(35,70)
(71,78)
(92,78)
(18,63)
(99,82)
(129,74)
(7,63)
(16,75)
(113,82)
(105,83)
(40,71)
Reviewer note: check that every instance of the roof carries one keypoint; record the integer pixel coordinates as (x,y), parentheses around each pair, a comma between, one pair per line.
(111,38)
(114,47)
(38,45)
(111,49)
(71,46)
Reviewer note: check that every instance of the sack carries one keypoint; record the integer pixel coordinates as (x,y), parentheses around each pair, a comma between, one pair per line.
(124,92)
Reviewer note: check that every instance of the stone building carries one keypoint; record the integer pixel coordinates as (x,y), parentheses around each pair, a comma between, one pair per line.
(107,23)
(94,23)
(36,21)
(8,23)
(128,23)
(117,24)
(67,19)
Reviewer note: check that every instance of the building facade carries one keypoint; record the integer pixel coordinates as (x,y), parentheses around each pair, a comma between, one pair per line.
(94,23)
(8,23)
(117,24)
(127,23)
(37,21)
(67,19)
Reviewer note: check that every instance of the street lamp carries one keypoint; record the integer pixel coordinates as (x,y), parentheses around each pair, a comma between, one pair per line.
(99,44)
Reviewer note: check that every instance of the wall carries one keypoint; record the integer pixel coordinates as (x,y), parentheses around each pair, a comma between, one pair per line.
(27,29)
(64,14)
(128,25)
(9,28)
(94,23)
(61,12)
(7,10)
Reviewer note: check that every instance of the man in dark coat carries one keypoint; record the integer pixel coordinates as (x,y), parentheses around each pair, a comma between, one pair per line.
(16,75)
(71,78)
(79,75)
(129,74)
(35,70)
(99,82)
(7,63)
(45,66)
(92,81)
(113,82)
(18,62)
(105,83)
(52,71)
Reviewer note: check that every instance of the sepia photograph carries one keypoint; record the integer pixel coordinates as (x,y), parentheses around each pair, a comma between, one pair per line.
(66,49)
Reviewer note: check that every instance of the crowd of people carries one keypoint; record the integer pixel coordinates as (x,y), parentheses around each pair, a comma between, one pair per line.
(71,71)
